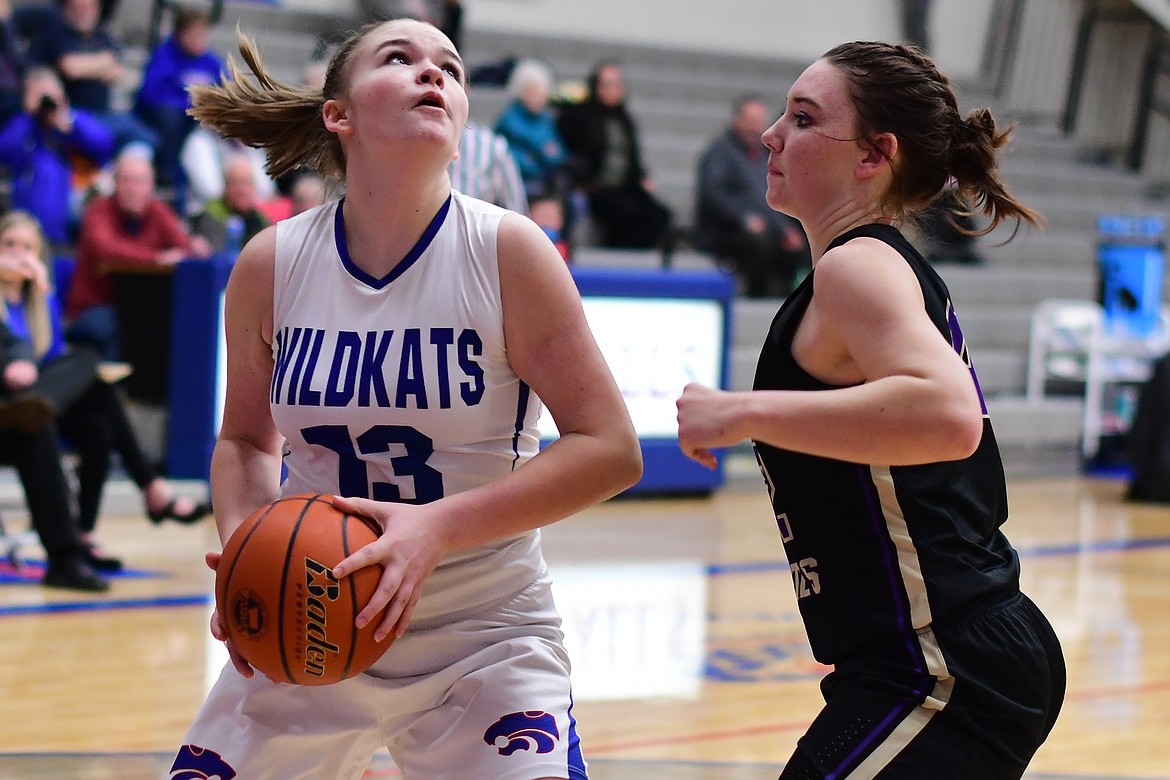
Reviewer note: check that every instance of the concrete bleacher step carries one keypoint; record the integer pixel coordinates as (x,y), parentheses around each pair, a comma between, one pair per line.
(997,325)
(974,286)
(1066,249)
(1032,174)
(1050,423)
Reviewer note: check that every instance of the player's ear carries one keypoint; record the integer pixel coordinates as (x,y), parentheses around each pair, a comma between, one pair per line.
(336,117)
(879,152)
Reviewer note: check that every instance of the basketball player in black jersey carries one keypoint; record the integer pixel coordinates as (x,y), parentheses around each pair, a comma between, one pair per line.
(875,444)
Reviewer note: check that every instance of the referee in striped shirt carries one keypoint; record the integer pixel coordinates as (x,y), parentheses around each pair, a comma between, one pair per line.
(485,169)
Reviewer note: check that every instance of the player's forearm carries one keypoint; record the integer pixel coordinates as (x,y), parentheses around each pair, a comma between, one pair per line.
(893,421)
(243,477)
(573,473)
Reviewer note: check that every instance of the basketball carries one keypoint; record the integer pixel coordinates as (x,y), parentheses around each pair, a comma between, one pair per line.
(279,601)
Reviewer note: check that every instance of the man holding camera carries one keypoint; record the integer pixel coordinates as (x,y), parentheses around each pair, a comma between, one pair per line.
(40,146)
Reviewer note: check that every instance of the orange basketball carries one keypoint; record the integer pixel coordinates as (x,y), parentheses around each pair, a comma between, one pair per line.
(279,601)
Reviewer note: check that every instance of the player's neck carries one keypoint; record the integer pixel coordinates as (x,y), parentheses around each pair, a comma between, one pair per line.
(384,220)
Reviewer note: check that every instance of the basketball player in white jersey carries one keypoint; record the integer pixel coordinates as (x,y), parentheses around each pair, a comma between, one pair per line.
(394,347)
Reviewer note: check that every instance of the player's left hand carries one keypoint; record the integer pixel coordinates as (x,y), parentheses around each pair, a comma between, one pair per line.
(409,549)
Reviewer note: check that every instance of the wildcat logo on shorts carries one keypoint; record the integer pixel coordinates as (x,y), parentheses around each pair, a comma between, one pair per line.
(196,763)
(533,729)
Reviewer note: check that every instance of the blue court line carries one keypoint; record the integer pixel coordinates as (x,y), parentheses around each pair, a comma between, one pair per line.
(1043,551)
(93,606)
(9,576)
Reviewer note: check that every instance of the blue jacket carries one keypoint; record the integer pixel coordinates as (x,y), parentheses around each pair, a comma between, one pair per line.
(534,140)
(171,70)
(37,158)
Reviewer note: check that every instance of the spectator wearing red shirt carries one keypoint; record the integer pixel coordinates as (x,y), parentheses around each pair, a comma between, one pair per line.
(129,229)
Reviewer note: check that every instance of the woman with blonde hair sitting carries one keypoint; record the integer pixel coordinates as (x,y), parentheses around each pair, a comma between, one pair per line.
(44,378)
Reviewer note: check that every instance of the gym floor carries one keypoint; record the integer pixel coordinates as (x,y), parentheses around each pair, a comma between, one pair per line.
(689,658)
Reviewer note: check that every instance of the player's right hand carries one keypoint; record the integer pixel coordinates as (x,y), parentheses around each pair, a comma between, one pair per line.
(220,632)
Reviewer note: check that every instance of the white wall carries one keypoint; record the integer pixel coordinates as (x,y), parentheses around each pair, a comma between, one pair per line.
(789,29)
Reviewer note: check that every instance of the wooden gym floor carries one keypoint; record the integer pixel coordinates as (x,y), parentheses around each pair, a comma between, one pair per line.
(689,659)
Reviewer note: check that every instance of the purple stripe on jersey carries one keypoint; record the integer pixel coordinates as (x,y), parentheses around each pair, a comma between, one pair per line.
(882,533)
(414,254)
(576,759)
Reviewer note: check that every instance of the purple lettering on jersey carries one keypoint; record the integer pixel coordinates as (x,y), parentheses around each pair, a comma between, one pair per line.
(410,371)
(308,396)
(346,354)
(442,339)
(470,345)
(285,347)
(371,375)
(362,365)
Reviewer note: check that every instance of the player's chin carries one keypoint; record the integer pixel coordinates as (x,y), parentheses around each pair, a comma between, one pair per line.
(776,195)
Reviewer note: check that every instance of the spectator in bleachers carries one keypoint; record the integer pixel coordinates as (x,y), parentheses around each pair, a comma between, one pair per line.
(43,145)
(183,59)
(11,64)
(203,158)
(89,62)
(129,229)
(734,221)
(29,441)
(308,191)
(89,411)
(530,126)
(240,200)
(485,169)
(548,212)
(606,160)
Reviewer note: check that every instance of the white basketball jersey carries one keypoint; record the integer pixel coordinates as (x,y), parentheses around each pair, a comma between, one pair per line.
(399,388)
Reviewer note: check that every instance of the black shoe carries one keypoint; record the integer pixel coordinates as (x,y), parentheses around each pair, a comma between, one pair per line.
(26,413)
(73,573)
(100,562)
(197,513)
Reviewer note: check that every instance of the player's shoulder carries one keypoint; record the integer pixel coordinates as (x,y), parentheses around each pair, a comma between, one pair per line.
(462,203)
(311,220)
(861,269)
(860,260)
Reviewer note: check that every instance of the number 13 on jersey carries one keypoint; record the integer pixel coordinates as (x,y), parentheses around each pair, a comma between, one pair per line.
(409,449)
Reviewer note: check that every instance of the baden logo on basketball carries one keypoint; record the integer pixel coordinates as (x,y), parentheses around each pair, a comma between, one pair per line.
(322,587)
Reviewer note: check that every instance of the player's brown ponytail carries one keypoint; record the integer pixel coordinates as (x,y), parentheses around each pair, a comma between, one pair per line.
(974,151)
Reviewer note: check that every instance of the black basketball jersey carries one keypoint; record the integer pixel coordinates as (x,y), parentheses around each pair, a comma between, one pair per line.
(878,551)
